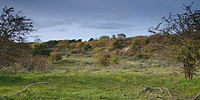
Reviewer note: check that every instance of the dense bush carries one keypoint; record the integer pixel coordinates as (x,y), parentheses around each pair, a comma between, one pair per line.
(40,49)
(13,53)
(118,52)
(14,28)
(142,56)
(76,51)
(114,59)
(87,47)
(139,42)
(116,44)
(56,56)
(104,59)
(51,43)
(189,55)
(36,64)
(130,52)
(107,59)
(121,36)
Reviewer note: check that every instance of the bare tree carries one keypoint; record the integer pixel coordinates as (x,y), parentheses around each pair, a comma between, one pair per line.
(181,24)
(186,27)
(14,28)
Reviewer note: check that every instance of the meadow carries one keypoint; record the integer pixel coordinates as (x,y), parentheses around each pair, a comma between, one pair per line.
(83,78)
(163,65)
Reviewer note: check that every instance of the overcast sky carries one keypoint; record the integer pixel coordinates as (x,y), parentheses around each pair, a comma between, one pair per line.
(83,19)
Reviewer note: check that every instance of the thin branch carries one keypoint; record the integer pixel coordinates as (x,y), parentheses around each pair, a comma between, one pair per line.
(169,93)
(196,97)
(158,88)
(158,96)
(151,88)
(19,92)
(154,88)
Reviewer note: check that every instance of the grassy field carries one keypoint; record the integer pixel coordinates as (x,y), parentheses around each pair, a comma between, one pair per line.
(84,79)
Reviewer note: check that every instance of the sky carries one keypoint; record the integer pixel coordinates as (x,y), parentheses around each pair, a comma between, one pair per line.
(85,19)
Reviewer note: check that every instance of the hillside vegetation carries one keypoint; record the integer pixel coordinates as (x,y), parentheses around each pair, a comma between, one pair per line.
(164,65)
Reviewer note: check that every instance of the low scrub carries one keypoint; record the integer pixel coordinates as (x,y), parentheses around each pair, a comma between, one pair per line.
(36,64)
(76,51)
(107,59)
(142,56)
(104,59)
(115,59)
(28,64)
(56,57)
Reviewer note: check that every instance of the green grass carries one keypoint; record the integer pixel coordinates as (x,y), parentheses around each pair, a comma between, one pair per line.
(84,79)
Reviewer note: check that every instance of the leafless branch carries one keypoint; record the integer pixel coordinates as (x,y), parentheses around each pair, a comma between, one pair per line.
(169,93)
(151,88)
(196,97)
(19,92)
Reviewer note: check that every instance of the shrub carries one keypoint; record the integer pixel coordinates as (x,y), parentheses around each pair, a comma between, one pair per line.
(36,64)
(117,52)
(140,41)
(10,70)
(130,52)
(142,56)
(40,49)
(87,47)
(116,44)
(67,55)
(121,36)
(76,51)
(56,57)
(98,49)
(104,59)
(188,54)
(115,59)
(139,56)
(145,56)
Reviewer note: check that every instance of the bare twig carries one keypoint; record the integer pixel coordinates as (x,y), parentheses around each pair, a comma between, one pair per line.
(154,88)
(157,88)
(169,93)
(158,96)
(151,88)
(19,92)
(30,86)
(196,97)
(145,89)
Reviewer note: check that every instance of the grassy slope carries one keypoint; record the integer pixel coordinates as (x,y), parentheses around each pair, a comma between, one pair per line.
(83,78)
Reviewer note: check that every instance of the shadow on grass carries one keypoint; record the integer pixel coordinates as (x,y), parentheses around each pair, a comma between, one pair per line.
(63,62)
(10,80)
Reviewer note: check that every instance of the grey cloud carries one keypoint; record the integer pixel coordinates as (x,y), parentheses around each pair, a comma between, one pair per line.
(105,25)
(120,15)
(61,29)
(54,22)
(49,23)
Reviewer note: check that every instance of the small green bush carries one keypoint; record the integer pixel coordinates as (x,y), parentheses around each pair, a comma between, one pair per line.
(139,56)
(116,44)
(40,49)
(115,59)
(87,47)
(142,56)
